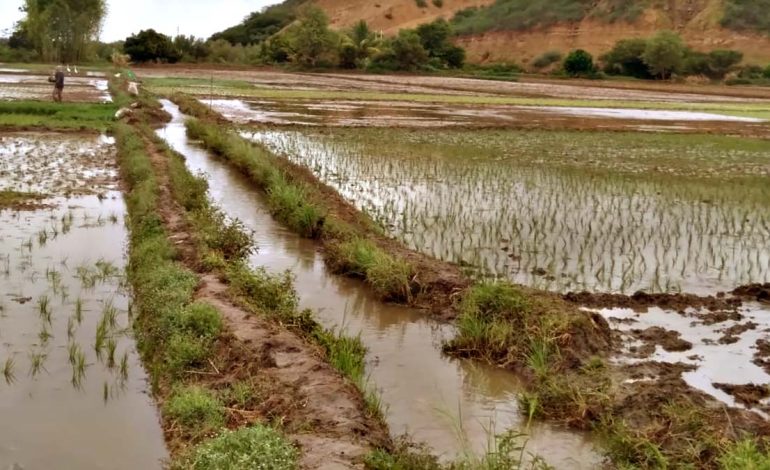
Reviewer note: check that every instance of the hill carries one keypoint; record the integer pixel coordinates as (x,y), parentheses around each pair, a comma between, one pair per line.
(521,30)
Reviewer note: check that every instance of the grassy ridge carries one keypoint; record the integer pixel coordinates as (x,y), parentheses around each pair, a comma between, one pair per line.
(296,205)
(177,336)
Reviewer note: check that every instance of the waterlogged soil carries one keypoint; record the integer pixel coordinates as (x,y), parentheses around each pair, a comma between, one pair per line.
(79,89)
(405,114)
(534,206)
(466,86)
(425,394)
(729,371)
(72,404)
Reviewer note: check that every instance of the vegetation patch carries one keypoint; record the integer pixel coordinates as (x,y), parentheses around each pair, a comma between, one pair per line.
(49,115)
(17,200)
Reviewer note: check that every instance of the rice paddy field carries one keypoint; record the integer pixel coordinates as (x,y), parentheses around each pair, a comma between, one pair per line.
(72,381)
(562,211)
(637,214)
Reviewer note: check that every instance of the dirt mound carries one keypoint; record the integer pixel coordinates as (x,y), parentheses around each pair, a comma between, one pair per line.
(749,394)
(670,341)
(758,292)
(641,301)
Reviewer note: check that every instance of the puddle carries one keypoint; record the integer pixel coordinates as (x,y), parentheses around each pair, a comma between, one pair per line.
(425,393)
(61,275)
(716,362)
(642,114)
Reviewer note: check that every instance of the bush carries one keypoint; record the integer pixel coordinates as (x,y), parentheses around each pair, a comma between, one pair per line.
(664,54)
(200,320)
(195,409)
(438,3)
(546,59)
(766,72)
(185,352)
(252,448)
(626,58)
(150,46)
(404,52)
(747,15)
(421,3)
(579,63)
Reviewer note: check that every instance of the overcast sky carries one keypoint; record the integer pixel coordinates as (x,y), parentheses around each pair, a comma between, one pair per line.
(200,18)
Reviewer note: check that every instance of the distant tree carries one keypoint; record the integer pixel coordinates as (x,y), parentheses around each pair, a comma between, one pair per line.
(723,61)
(579,62)
(664,54)
(190,48)
(258,26)
(311,42)
(766,72)
(435,39)
(404,52)
(546,59)
(150,46)
(358,45)
(62,30)
(626,58)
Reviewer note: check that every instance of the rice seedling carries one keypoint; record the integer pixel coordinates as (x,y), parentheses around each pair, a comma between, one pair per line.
(8,370)
(44,308)
(5,267)
(105,392)
(110,315)
(79,310)
(71,328)
(79,366)
(36,363)
(111,346)
(124,367)
(101,338)
(44,335)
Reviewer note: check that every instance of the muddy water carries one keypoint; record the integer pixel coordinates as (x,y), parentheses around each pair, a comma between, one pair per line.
(60,275)
(715,360)
(446,403)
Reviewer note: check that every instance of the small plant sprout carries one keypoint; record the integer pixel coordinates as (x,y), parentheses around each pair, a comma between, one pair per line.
(106,392)
(42,237)
(36,363)
(8,373)
(101,338)
(111,346)
(71,328)
(124,367)
(79,310)
(78,368)
(114,218)
(44,336)
(72,351)
(44,308)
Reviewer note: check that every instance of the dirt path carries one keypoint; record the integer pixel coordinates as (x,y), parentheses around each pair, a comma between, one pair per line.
(322,412)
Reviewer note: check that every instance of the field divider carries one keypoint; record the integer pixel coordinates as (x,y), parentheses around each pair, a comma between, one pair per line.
(229,355)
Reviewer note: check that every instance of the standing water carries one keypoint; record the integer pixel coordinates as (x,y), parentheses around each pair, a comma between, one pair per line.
(451,405)
(73,393)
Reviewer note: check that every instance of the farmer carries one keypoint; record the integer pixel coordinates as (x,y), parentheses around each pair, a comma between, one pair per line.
(58,84)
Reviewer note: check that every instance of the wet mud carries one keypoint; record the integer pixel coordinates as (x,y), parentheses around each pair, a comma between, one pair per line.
(748,395)
(716,306)
(32,86)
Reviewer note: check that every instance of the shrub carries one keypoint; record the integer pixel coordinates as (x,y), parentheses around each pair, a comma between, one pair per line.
(626,58)
(579,63)
(404,52)
(766,72)
(421,3)
(150,46)
(199,319)
(438,3)
(252,448)
(185,351)
(546,59)
(664,54)
(195,409)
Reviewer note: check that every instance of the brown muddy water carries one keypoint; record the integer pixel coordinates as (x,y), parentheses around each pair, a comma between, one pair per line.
(449,404)
(65,405)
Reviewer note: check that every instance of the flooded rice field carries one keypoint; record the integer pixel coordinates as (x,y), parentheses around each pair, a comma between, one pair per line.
(362,113)
(81,88)
(559,211)
(723,353)
(451,405)
(72,383)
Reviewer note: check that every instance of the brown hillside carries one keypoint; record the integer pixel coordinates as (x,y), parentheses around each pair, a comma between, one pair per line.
(389,16)
(696,20)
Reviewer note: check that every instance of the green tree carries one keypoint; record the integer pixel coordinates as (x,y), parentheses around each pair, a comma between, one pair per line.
(404,52)
(625,58)
(63,30)
(435,39)
(664,54)
(579,63)
(150,46)
(358,45)
(311,41)
(723,61)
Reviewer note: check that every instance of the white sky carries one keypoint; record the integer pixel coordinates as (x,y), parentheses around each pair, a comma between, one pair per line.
(201,18)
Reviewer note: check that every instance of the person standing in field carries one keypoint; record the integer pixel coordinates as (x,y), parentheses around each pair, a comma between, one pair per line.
(58,84)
